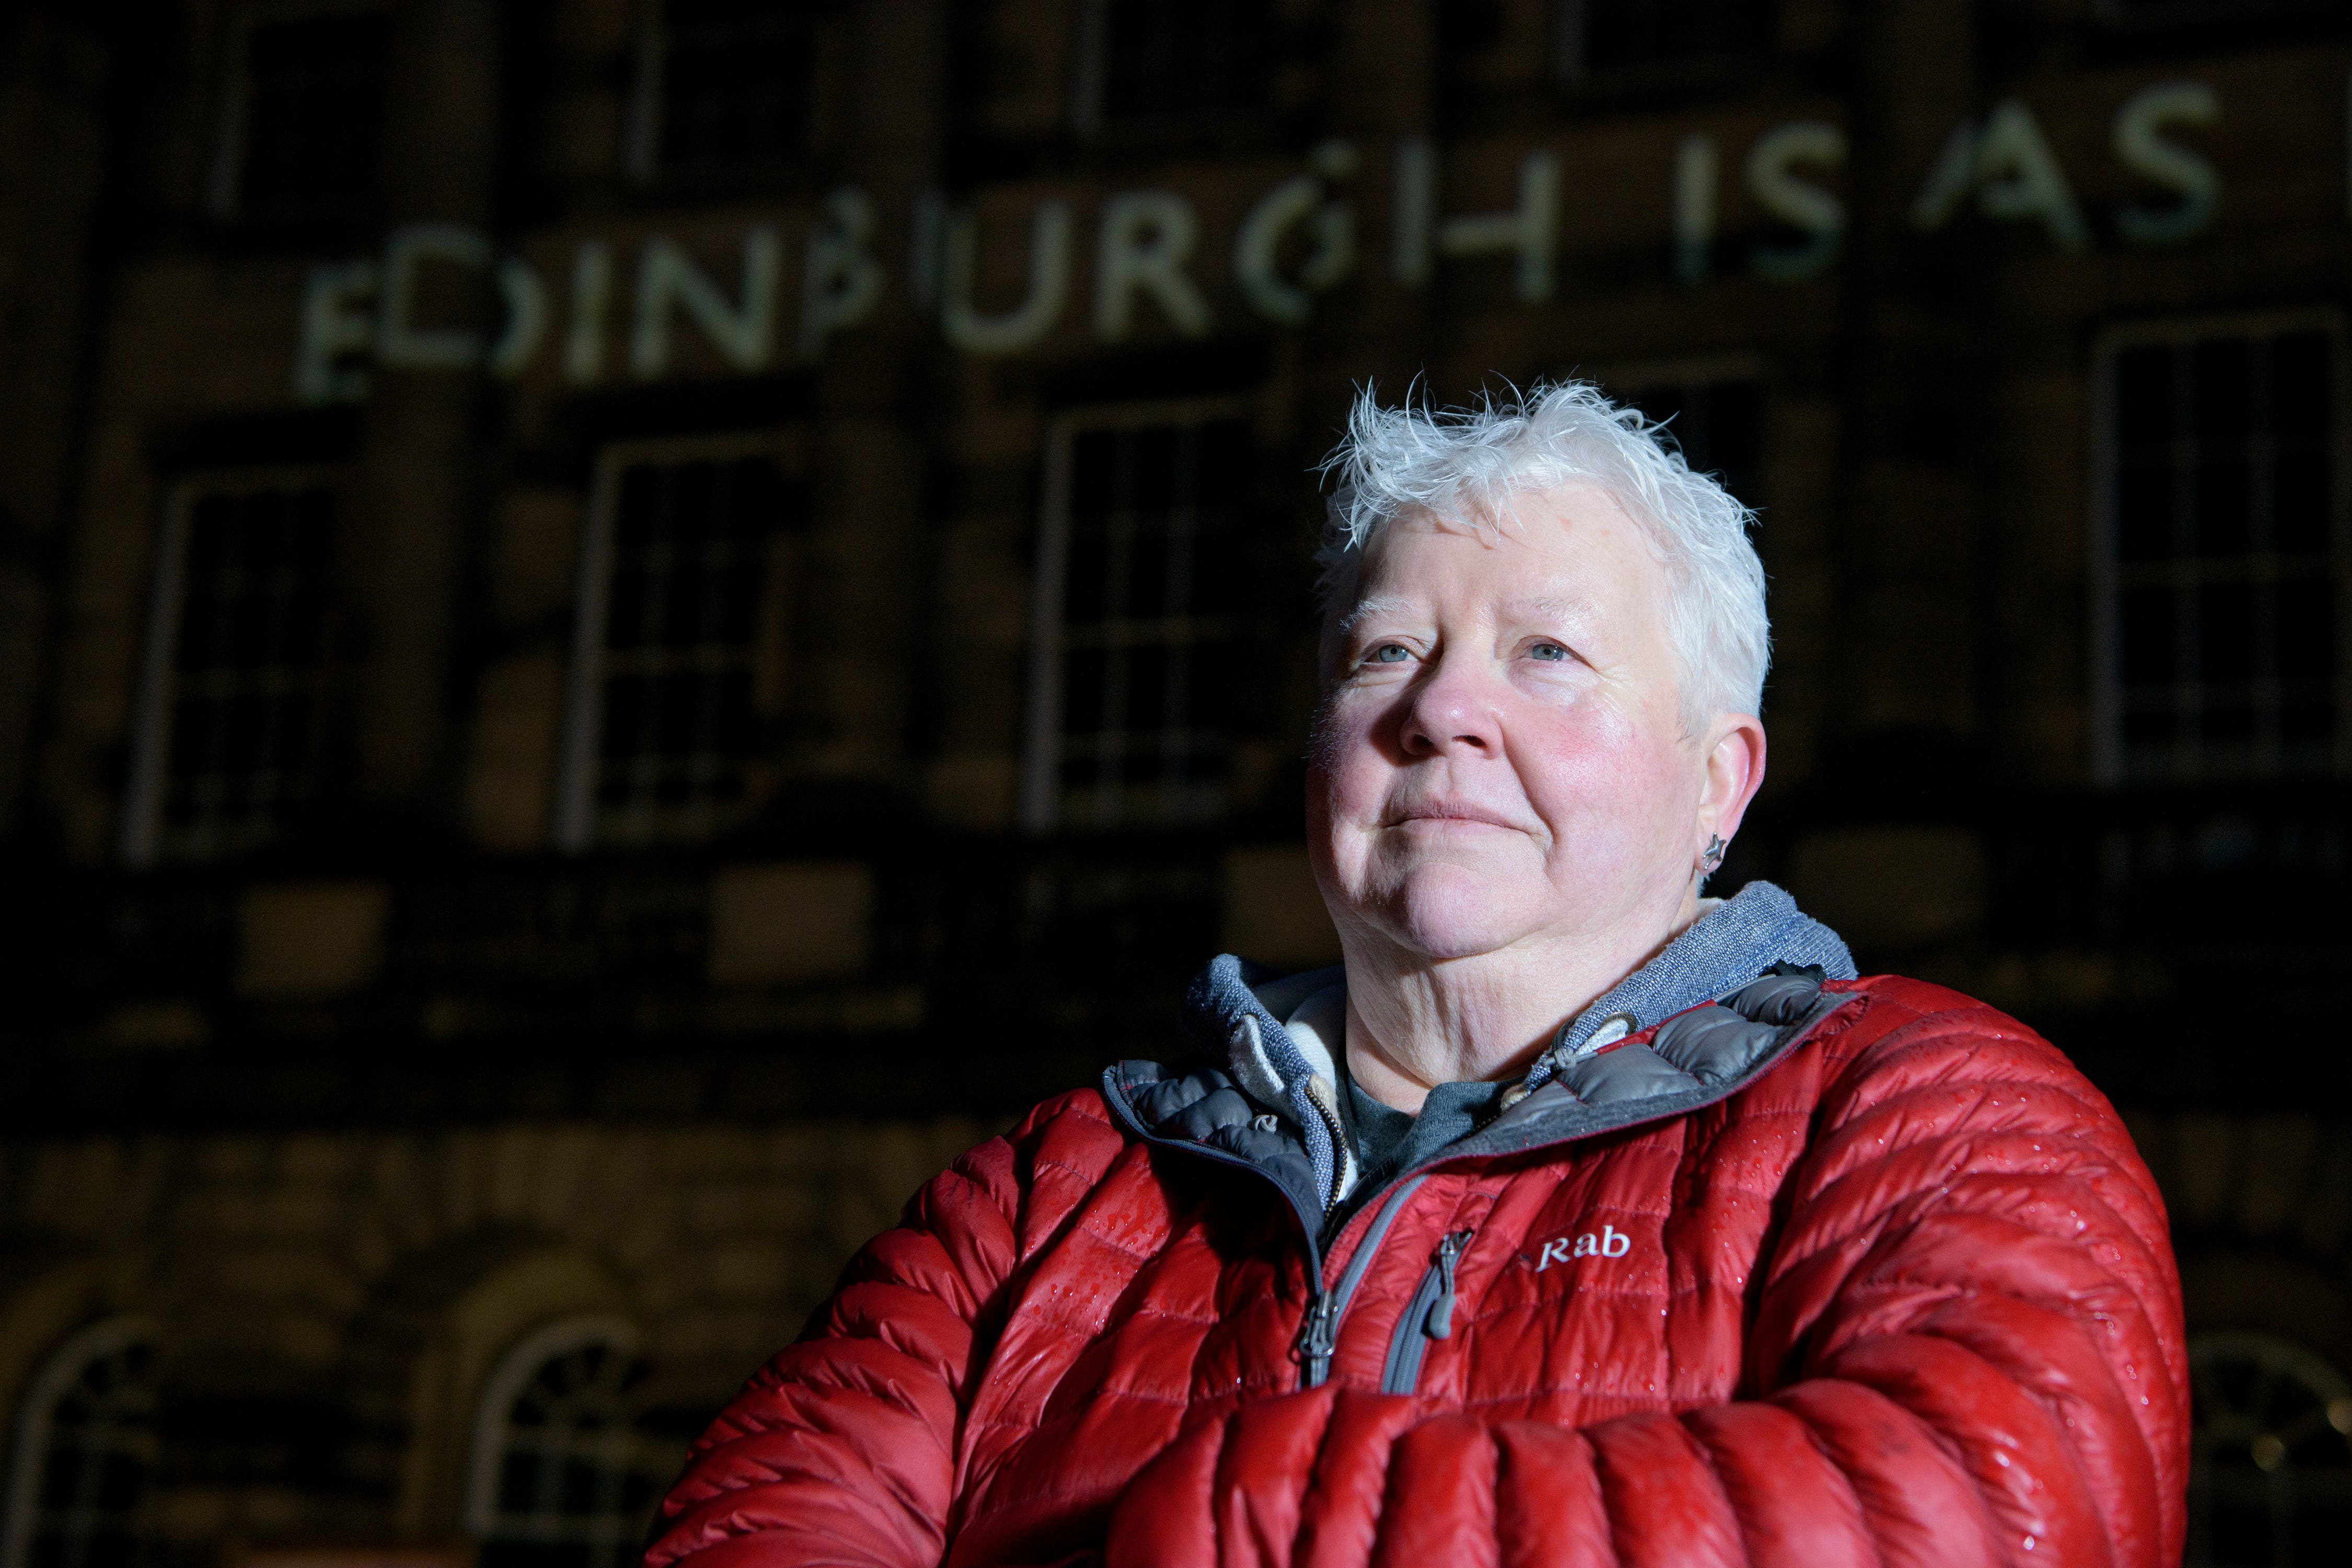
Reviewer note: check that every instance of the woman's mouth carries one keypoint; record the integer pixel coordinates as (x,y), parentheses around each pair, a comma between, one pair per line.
(1449,814)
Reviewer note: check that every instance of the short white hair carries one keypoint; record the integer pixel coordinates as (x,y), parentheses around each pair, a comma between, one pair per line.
(1465,464)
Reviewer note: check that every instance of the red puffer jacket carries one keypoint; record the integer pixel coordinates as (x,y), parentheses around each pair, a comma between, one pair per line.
(1855,1273)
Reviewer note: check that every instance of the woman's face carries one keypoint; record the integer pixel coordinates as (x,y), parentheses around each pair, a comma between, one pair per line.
(1500,756)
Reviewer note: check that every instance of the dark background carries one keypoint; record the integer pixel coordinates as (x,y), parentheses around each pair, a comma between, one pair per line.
(585,699)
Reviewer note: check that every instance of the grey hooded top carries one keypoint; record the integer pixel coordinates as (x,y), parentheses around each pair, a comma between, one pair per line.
(1280,1102)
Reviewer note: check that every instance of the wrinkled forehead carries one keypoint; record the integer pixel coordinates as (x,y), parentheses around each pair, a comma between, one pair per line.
(1576,531)
(1560,606)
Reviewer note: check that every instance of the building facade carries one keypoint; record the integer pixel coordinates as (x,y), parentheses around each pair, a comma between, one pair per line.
(625,622)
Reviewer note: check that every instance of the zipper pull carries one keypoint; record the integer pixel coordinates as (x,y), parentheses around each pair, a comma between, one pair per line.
(1318,1337)
(1439,1323)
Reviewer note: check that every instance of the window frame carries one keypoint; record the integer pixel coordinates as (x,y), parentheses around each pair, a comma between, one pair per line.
(514,1372)
(1626,385)
(2182,14)
(224,193)
(641,131)
(139,840)
(2108,760)
(1091,35)
(573,828)
(20,1506)
(1570,72)
(1089,83)
(1040,798)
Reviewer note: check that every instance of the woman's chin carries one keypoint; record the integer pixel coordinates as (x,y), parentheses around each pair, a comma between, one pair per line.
(1450,917)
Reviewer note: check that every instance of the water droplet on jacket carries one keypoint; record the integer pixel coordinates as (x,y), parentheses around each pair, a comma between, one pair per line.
(2029,1543)
(2001,1458)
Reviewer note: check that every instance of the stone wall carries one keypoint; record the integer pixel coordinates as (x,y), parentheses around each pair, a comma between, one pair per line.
(2262,1218)
(328,1305)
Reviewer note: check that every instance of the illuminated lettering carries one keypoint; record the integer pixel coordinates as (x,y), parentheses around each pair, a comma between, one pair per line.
(2143,151)
(526,304)
(338,328)
(1297,239)
(1296,201)
(743,334)
(840,280)
(2018,177)
(1413,212)
(1950,182)
(1529,231)
(1143,242)
(400,344)
(1049,285)
(591,297)
(2009,167)
(1695,200)
(1808,208)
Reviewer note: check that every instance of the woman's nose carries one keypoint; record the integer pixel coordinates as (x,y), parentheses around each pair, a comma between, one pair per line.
(1451,710)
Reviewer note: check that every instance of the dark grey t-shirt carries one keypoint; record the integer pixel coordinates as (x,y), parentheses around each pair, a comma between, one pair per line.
(1390,1142)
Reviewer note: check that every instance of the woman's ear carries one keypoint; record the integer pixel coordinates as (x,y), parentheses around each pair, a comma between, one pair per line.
(1735,771)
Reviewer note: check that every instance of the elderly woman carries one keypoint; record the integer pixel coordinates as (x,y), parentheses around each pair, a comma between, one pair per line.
(1575,1218)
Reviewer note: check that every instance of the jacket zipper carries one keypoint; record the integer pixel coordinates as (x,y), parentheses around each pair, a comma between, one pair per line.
(1319,1330)
(1428,1315)
(1318,1336)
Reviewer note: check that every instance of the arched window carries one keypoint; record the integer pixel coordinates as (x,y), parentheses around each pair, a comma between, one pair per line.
(2271,1480)
(85,1440)
(563,1476)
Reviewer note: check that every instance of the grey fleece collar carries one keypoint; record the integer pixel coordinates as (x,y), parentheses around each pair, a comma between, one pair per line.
(1229,1017)
(1722,951)
(1237,1010)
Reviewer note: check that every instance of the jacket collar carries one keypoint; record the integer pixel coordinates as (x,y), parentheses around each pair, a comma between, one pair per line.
(1242,1012)
(1739,986)
(1738,939)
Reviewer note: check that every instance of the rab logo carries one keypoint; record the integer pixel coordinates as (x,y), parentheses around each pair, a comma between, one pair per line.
(1607,1242)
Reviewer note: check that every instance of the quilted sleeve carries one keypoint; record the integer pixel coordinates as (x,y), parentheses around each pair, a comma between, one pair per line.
(1966,1350)
(841,1449)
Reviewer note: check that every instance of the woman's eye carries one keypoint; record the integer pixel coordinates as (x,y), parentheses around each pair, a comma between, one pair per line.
(1550,651)
(1389,653)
